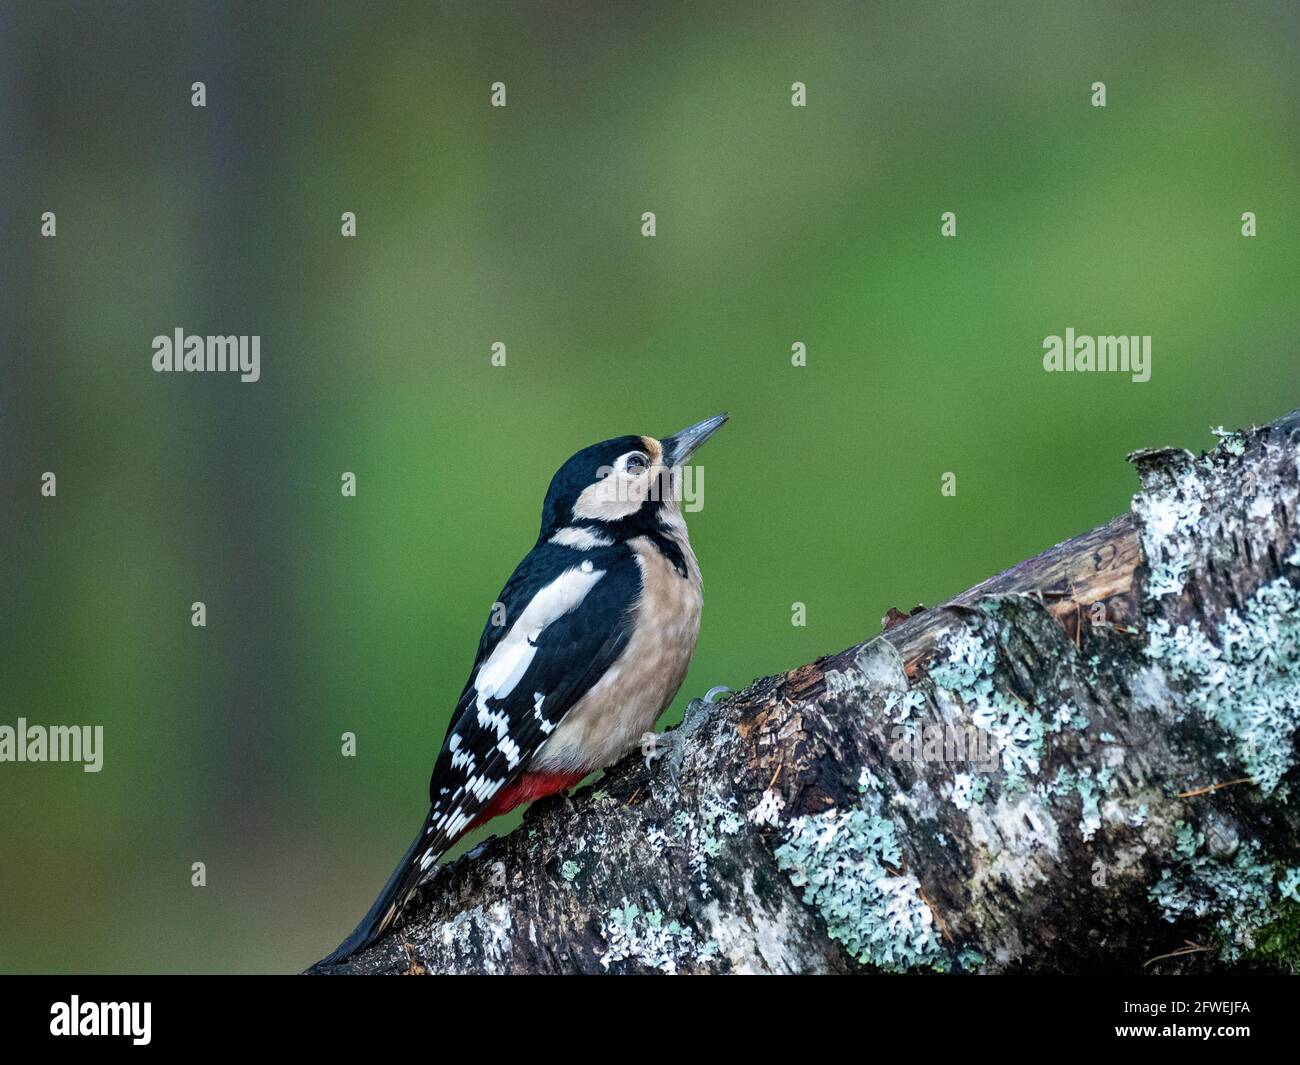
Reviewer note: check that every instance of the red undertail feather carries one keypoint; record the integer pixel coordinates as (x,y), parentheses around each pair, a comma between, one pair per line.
(527,788)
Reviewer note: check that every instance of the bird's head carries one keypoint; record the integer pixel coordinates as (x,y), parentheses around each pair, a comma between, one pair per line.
(620,487)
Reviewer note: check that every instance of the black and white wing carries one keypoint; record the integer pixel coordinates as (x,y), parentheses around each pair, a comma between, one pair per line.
(567,618)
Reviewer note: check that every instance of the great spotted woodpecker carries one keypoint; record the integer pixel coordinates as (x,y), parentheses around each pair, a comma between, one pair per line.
(600,623)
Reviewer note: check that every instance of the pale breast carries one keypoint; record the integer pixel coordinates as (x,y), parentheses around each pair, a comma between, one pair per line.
(625,703)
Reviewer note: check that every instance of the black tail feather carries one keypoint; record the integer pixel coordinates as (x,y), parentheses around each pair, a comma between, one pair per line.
(396,894)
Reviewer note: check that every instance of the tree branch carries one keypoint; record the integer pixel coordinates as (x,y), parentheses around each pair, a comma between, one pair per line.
(1081,764)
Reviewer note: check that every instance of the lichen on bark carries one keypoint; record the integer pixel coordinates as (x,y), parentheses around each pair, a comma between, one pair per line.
(1139,687)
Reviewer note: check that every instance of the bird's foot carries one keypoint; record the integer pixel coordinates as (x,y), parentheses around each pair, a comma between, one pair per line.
(673,744)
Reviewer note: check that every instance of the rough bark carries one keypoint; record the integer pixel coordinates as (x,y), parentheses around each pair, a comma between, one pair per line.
(1139,691)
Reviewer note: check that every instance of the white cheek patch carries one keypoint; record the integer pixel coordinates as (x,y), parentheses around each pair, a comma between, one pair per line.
(611,498)
(510,659)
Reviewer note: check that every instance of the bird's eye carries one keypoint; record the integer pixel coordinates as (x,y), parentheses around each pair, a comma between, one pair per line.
(636,463)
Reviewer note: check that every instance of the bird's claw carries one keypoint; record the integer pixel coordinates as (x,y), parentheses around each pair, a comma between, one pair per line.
(655,745)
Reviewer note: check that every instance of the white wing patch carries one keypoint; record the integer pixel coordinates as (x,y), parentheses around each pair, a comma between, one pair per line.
(455,817)
(495,719)
(496,679)
(460,759)
(510,659)
(483,788)
(455,823)
(548,726)
(510,749)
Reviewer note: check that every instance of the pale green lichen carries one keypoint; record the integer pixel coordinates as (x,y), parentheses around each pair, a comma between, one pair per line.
(1089,792)
(1186,839)
(646,938)
(1248,682)
(846,861)
(868,780)
(569,870)
(768,810)
(968,672)
(1091,787)
(658,840)
(1167,578)
(1236,894)
(1288,885)
(906,702)
(701,833)
(1232,442)
(1065,782)
(900,706)
(968,791)
(1066,715)
(1168,517)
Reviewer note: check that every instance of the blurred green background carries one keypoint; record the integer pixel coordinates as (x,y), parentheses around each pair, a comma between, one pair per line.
(522,224)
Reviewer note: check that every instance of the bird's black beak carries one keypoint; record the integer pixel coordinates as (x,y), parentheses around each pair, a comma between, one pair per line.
(680,446)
